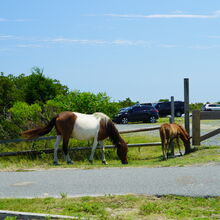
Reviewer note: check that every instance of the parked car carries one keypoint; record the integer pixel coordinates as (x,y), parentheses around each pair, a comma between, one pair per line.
(136,113)
(211,107)
(164,108)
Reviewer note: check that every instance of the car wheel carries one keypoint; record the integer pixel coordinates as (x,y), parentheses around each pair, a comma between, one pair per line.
(152,119)
(124,120)
(178,114)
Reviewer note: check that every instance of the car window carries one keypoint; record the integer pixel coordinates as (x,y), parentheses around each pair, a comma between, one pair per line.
(145,107)
(136,108)
(125,109)
(167,105)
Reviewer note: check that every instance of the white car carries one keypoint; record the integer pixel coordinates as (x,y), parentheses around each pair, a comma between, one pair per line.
(211,107)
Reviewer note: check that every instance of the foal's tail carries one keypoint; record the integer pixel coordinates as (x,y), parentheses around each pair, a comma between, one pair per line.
(37,132)
(163,134)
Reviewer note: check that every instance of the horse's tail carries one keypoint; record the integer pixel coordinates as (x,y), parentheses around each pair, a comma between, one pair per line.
(163,132)
(37,132)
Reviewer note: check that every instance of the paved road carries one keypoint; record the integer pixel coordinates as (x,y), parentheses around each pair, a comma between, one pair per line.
(188,181)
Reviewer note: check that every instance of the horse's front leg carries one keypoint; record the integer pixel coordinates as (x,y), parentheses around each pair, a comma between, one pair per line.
(95,142)
(56,146)
(101,143)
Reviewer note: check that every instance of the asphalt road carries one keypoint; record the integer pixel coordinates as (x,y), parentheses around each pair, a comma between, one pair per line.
(187,181)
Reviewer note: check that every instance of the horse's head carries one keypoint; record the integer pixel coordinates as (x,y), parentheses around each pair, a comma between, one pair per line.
(122,150)
(187,146)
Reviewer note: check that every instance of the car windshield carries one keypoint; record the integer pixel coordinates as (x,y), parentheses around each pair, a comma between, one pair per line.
(125,109)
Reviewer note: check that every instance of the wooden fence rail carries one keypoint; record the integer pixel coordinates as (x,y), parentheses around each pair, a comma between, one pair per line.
(197,116)
(75,148)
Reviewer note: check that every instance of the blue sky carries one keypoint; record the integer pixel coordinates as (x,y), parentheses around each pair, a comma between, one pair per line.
(142,49)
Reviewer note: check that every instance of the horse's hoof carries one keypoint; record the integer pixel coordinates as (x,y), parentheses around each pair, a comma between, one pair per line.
(104,162)
(70,162)
(91,161)
(55,163)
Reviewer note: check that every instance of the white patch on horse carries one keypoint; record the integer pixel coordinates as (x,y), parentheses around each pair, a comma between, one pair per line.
(86,127)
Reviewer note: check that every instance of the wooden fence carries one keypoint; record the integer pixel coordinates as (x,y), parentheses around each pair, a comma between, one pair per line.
(74,148)
(197,116)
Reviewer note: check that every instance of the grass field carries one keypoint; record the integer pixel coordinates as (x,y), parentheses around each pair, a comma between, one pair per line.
(126,207)
(143,156)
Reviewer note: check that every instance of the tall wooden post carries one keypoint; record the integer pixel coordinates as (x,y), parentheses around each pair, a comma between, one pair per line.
(172,110)
(172,121)
(196,127)
(186,104)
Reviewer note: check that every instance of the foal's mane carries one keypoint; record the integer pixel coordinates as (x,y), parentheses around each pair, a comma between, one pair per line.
(184,133)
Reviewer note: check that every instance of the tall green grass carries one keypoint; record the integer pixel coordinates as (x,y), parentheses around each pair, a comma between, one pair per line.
(126,207)
(139,156)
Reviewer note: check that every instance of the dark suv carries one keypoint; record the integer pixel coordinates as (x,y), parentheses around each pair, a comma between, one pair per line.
(164,108)
(136,113)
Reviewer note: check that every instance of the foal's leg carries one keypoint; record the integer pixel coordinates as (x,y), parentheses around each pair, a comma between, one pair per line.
(171,147)
(166,149)
(101,143)
(178,143)
(56,146)
(95,142)
(164,146)
(65,150)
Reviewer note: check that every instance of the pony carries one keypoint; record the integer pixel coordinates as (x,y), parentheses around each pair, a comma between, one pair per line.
(97,126)
(169,132)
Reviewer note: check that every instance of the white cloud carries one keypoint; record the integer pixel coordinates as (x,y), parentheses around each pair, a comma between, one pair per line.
(205,47)
(7,37)
(31,46)
(214,37)
(3,20)
(100,42)
(169,45)
(13,20)
(178,14)
(80,41)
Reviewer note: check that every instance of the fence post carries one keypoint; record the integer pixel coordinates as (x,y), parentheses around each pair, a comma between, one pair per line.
(172,119)
(196,127)
(186,105)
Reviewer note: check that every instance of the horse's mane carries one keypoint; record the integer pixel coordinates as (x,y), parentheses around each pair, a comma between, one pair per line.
(112,130)
(100,115)
(184,132)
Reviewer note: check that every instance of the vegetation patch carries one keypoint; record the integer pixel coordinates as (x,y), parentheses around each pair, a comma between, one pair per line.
(137,157)
(121,207)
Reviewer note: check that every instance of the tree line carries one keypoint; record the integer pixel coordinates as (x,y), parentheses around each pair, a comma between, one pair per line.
(30,101)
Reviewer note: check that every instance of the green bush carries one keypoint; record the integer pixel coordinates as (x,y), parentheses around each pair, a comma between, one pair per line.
(84,102)
(23,115)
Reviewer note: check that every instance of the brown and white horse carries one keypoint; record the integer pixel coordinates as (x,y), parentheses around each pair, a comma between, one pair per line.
(169,132)
(97,126)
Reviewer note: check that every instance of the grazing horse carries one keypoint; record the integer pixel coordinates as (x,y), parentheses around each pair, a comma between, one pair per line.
(97,126)
(169,132)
